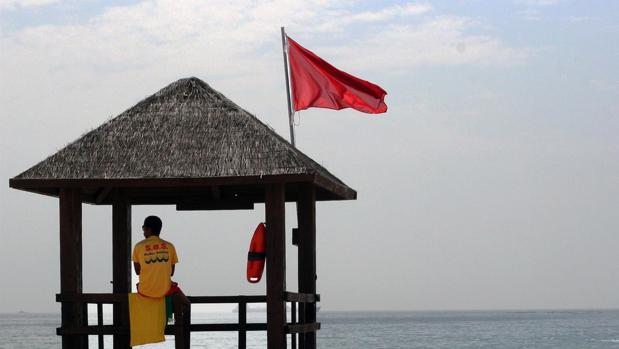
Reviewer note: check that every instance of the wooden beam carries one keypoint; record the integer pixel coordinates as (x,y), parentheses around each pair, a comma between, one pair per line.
(110,298)
(225,327)
(276,266)
(216,192)
(102,194)
(169,330)
(337,189)
(226,299)
(340,190)
(104,298)
(72,314)
(92,330)
(306,219)
(303,328)
(301,297)
(121,264)
(215,205)
(26,184)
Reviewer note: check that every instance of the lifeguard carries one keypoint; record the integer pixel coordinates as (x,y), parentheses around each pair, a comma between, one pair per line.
(151,308)
(154,260)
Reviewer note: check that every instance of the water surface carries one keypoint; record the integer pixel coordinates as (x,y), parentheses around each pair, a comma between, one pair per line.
(394,330)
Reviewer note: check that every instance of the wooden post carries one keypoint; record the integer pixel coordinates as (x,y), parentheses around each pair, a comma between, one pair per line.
(306,219)
(182,321)
(121,265)
(242,325)
(293,320)
(72,314)
(100,323)
(276,265)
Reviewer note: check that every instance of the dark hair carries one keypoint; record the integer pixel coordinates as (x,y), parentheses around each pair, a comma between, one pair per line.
(154,223)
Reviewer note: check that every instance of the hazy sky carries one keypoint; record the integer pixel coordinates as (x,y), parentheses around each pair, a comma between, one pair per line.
(492,182)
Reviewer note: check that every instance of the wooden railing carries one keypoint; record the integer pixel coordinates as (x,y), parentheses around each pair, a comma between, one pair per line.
(183,327)
(301,325)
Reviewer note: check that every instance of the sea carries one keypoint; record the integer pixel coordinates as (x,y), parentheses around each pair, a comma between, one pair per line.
(356,330)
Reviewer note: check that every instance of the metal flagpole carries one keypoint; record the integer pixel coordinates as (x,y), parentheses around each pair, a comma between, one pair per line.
(290,111)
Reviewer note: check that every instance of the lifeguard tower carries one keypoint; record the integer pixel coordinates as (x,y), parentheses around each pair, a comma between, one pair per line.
(189,146)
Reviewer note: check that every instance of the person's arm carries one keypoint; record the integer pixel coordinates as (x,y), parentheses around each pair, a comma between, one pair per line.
(136,260)
(174,259)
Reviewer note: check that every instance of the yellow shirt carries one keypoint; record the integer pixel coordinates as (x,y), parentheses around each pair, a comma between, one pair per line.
(156,257)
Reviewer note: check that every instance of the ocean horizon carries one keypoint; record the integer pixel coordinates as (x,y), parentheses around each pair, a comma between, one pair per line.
(549,328)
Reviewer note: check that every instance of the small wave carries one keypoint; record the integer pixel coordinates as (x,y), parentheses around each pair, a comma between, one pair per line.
(610,340)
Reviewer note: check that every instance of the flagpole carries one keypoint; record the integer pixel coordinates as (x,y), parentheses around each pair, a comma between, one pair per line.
(288,99)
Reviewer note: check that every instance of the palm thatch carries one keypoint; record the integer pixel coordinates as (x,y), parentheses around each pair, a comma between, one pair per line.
(186,130)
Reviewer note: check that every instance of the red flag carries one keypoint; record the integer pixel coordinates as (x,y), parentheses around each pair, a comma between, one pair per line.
(316,83)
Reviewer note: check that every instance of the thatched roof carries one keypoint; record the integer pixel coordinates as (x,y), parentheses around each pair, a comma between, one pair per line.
(187,130)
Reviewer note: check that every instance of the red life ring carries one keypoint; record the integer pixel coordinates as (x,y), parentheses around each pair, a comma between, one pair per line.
(256,255)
